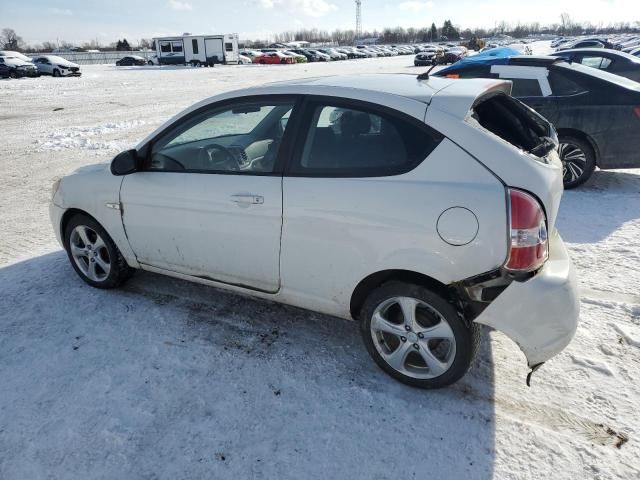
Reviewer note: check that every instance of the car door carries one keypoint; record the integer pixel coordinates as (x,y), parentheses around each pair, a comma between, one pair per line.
(44,65)
(208,199)
(340,196)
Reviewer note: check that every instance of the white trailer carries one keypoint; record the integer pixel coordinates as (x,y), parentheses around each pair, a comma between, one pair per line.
(197,49)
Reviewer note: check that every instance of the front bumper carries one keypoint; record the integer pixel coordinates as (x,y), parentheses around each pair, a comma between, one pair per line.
(55,214)
(540,314)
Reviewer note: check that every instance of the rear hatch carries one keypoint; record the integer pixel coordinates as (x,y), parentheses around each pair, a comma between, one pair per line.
(535,139)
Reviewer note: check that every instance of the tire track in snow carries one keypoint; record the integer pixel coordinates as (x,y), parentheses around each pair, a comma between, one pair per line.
(600,296)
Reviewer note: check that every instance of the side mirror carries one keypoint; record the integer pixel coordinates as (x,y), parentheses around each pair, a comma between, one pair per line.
(125,163)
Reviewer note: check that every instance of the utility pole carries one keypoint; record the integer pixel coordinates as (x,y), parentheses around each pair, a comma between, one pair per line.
(358,20)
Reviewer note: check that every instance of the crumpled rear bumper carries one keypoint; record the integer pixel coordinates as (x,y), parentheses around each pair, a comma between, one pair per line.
(540,314)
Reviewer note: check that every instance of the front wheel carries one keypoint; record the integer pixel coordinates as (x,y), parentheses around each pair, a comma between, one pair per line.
(93,254)
(56,73)
(416,336)
(578,161)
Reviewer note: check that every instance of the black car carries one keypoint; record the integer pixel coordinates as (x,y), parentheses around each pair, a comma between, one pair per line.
(596,113)
(16,68)
(311,57)
(587,43)
(5,71)
(611,61)
(131,60)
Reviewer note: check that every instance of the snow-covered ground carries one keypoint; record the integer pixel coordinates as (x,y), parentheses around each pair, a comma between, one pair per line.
(165,379)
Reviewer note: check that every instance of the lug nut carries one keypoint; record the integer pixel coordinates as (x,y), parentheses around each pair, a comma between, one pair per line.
(407,328)
(404,339)
(93,260)
(420,335)
(415,345)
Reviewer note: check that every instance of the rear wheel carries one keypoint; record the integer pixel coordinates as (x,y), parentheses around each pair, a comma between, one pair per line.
(578,161)
(416,336)
(150,62)
(93,254)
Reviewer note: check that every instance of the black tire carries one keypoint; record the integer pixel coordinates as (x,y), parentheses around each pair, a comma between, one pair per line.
(56,72)
(150,62)
(466,337)
(578,160)
(119,272)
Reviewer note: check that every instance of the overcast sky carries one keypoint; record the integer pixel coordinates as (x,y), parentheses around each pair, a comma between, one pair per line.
(82,20)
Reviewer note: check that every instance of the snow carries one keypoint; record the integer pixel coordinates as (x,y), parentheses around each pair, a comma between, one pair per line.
(166,379)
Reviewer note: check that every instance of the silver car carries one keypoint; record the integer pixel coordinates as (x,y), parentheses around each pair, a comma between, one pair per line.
(56,66)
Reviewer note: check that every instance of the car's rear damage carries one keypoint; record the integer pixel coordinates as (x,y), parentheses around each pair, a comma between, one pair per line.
(539,312)
(532,297)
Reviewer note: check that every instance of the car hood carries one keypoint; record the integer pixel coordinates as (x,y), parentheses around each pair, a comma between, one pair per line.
(65,63)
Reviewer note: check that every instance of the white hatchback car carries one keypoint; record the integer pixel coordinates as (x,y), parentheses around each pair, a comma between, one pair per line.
(419,207)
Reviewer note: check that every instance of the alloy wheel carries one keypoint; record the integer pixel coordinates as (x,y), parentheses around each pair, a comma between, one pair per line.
(413,338)
(574,162)
(90,253)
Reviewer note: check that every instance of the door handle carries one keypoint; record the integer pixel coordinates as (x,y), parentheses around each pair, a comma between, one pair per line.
(247,199)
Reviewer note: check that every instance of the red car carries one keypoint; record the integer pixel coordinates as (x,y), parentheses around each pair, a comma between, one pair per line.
(274,58)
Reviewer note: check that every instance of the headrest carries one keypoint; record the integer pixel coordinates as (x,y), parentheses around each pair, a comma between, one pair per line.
(354,123)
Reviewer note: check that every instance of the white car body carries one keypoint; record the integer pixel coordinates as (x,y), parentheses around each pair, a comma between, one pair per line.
(18,55)
(311,242)
(242,60)
(56,66)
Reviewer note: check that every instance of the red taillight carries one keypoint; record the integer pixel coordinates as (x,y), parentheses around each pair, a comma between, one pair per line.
(636,110)
(529,239)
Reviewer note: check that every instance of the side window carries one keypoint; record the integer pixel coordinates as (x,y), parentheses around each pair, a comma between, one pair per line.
(526,87)
(595,61)
(241,138)
(348,142)
(165,47)
(177,47)
(562,85)
(194,46)
(228,47)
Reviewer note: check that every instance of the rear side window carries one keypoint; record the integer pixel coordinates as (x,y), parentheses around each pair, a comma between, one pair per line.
(561,84)
(354,142)
(194,46)
(526,87)
(596,61)
(512,121)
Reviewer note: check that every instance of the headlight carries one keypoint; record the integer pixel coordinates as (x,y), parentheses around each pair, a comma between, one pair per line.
(54,188)
(62,66)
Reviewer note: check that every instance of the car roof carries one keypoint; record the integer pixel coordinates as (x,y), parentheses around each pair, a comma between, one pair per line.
(404,85)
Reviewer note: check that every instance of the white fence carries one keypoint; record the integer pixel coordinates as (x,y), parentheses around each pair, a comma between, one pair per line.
(93,58)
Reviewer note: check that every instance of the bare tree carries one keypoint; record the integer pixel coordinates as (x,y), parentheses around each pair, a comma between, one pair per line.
(565,22)
(10,40)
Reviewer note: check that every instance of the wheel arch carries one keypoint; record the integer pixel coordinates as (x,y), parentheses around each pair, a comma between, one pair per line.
(572,132)
(68,215)
(374,280)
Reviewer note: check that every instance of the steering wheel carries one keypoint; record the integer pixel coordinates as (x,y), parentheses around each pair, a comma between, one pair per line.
(206,157)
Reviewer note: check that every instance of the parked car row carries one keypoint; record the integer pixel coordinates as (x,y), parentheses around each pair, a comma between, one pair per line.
(17,65)
(438,55)
(628,43)
(290,55)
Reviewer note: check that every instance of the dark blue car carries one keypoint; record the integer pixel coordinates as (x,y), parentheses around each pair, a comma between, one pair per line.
(596,113)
